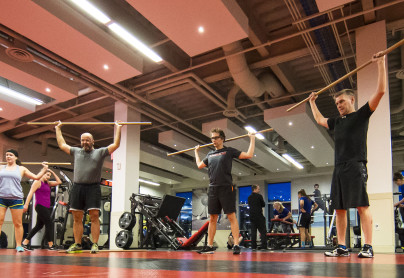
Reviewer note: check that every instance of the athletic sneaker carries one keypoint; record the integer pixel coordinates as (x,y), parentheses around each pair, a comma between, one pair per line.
(366,252)
(236,250)
(337,252)
(52,248)
(207,250)
(27,247)
(19,249)
(74,248)
(94,248)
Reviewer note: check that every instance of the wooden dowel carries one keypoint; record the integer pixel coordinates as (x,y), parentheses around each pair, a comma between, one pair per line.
(40,163)
(385,52)
(89,123)
(227,140)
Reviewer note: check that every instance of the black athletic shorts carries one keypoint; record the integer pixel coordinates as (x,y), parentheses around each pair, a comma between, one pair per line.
(85,196)
(304,220)
(221,197)
(348,187)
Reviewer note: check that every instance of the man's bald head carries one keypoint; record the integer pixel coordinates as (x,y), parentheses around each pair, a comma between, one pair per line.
(87,141)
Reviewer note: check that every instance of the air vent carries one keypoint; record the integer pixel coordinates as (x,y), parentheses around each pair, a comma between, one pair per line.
(20,55)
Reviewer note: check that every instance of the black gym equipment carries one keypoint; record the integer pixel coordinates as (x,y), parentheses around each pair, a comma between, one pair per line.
(160,225)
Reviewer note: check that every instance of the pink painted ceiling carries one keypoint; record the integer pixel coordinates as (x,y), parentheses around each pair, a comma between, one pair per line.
(223,20)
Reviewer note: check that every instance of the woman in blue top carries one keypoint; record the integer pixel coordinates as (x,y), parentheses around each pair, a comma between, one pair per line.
(11,195)
(306,207)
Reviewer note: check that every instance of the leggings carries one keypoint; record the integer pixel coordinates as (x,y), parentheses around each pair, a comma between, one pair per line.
(43,218)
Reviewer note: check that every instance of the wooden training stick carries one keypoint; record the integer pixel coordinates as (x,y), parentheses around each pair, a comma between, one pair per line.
(40,163)
(387,51)
(227,140)
(89,123)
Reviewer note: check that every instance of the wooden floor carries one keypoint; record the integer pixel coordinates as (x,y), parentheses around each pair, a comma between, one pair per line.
(43,263)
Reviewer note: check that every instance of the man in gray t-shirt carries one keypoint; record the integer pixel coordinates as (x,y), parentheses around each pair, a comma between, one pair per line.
(85,193)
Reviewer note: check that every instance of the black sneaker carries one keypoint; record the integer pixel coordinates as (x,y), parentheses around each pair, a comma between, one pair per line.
(236,250)
(337,252)
(26,247)
(366,252)
(52,248)
(207,250)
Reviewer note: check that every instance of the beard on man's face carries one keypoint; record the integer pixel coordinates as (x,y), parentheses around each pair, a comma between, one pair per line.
(87,146)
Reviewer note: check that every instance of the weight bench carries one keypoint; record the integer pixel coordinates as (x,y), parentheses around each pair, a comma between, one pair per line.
(279,240)
(188,243)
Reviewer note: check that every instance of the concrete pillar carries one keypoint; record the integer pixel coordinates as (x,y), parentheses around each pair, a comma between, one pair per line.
(371,39)
(125,173)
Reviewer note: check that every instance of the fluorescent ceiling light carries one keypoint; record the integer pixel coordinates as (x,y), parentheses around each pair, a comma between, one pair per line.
(291,160)
(91,10)
(252,130)
(129,38)
(14,94)
(149,182)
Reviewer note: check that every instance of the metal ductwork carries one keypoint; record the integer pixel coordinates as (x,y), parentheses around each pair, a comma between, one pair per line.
(247,81)
(231,110)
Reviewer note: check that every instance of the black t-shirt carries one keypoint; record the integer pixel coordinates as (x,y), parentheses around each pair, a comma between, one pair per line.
(256,203)
(219,163)
(350,135)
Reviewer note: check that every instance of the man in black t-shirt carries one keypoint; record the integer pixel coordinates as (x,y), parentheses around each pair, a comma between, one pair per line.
(348,187)
(318,198)
(221,193)
(257,219)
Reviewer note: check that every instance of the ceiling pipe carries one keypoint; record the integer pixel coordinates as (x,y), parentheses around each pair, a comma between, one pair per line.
(252,86)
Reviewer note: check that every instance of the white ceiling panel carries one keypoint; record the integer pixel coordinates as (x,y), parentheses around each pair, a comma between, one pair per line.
(71,40)
(300,130)
(223,21)
(324,5)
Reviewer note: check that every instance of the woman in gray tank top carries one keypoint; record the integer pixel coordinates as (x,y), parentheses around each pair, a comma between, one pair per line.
(11,195)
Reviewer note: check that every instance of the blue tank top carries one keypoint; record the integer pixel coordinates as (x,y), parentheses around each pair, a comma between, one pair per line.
(10,183)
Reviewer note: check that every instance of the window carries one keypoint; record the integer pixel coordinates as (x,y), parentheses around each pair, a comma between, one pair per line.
(185,217)
(244,210)
(278,192)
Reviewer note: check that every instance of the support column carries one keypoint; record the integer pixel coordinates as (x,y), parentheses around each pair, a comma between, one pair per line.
(125,173)
(371,39)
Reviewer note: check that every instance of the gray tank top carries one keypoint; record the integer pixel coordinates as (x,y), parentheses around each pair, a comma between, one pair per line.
(10,183)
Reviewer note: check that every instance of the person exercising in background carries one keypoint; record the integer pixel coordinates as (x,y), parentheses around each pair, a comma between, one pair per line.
(86,191)
(348,187)
(399,181)
(42,192)
(306,208)
(221,193)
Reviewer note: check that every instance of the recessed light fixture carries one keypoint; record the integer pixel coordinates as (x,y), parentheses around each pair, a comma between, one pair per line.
(133,41)
(239,173)
(175,145)
(277,169)
(252,130)
(106,67)
(149,182)
(92,10)
(255,155)
(312,147)
(173,167)
(290,123)
(17,95)
(326,163)
(291,160)
(201,29)
(48,90)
